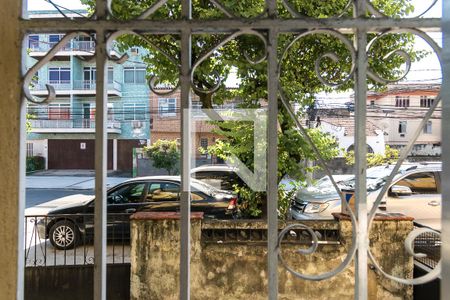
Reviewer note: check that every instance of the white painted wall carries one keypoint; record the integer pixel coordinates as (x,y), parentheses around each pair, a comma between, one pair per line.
(376,142)
(40,148)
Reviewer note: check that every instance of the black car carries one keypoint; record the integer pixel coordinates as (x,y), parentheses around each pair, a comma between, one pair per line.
(66,225)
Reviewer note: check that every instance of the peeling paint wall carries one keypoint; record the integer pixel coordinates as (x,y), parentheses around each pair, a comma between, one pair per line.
(238,270)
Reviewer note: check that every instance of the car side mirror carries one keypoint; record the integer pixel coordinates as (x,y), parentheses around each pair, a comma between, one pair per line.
(400,190)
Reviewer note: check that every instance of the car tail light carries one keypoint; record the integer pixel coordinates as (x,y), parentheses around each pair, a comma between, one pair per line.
(232,204)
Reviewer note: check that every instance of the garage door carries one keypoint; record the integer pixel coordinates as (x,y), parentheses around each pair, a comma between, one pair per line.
(74,154)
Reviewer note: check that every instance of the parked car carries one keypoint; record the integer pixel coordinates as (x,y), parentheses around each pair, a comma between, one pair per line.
(415,191)
(220,176)
(224,177)
(69,219)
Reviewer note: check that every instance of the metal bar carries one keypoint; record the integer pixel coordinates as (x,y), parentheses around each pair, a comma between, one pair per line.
(445,90)
(272,165)
(271,6)
(45,25)
(360,156)
(100,158)
(185,203)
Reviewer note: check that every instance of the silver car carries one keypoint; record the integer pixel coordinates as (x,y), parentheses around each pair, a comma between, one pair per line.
(415,191)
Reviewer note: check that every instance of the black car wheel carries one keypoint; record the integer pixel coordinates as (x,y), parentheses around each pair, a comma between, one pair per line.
(64,235)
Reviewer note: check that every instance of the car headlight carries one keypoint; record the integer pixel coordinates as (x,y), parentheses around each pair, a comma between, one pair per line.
(312,208)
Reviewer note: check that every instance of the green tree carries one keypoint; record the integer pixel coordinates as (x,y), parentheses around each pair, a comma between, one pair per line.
(164,155)
(298,78)
(389,156)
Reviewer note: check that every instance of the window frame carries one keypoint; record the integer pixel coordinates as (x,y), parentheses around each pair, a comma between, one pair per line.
(428,128)
(402,127)
(134,71)
(402,101)
(167,107)
(130,111)
(59,71)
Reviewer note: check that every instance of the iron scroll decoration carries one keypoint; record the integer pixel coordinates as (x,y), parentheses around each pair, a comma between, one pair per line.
(372,75)
(285,101)
(27,81)
(418,231)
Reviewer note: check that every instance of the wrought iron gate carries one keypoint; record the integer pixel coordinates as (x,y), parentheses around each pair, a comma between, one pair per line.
(352,32)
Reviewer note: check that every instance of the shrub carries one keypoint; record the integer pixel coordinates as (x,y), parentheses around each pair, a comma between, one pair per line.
(35,163)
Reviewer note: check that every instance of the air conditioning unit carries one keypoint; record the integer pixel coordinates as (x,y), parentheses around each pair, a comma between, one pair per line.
(134,51)
(136,124)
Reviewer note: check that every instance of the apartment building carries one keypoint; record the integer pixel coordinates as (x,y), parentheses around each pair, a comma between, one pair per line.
(62,130)
(400,109)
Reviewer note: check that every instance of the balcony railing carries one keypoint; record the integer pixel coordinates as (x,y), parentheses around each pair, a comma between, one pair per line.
(78,85)
(87,85)
(57,84)
(71,123)
(85,46)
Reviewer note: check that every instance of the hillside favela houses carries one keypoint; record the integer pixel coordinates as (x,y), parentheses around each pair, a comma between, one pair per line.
(62,130)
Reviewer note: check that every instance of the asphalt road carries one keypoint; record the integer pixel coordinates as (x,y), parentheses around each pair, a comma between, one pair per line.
(38,196)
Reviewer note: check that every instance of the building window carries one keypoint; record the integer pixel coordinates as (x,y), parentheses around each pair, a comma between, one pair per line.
(133,111)
(167,107)
(29,149)
(204,143)
(33,42)
(53,39)
(134,75)
(402,128)
(372,103)
(428,127)
(59,111)
(426,101)
(401,101)
(90,74)
(59,75)
(204,146)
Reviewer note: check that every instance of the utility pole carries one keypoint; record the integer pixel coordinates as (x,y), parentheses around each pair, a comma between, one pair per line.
(312,113)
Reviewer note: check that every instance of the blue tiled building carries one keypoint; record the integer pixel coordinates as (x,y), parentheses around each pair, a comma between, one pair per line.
(62,130)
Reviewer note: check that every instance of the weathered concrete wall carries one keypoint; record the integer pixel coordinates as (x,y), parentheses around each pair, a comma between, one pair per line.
(10,91)
(155,255)
(238,270)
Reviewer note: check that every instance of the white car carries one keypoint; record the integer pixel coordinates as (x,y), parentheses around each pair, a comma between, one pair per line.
(224,177)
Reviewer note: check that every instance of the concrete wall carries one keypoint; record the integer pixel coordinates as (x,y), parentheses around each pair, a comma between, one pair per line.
(238,270)
(10,103)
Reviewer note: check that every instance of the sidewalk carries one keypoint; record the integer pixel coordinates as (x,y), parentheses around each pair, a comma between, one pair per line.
(72,180)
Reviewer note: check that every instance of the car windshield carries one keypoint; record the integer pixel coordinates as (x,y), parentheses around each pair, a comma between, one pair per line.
(376,177)
(373,183)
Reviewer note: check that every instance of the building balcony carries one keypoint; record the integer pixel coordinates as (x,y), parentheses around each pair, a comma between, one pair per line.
(75,87)
(82,48)
(71,126)
(73,48)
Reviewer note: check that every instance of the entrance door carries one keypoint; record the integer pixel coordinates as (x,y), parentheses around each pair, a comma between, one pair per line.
(86,115)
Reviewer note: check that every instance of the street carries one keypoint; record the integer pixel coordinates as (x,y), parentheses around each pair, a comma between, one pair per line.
(37,196)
